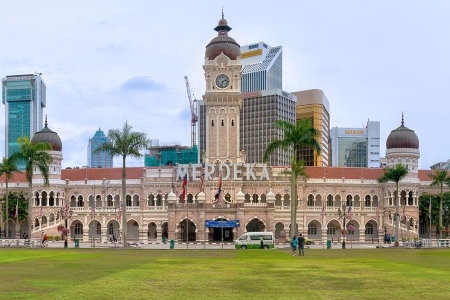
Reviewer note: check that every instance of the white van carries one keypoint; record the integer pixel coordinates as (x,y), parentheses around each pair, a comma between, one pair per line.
(251,240)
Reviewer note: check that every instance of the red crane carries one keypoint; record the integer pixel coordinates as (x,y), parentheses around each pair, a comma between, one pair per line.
(194,116)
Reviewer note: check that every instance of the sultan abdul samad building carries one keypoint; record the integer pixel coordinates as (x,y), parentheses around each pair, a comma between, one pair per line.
(254,196)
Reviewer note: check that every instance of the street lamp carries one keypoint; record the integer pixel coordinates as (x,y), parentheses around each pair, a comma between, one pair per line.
(344,214)
(67,214)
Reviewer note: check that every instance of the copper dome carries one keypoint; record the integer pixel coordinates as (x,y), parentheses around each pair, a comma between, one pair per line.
(48,136)
(222,43)
(402,137)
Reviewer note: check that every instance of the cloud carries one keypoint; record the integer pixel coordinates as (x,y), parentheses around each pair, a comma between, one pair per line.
(111,48)
(141,83)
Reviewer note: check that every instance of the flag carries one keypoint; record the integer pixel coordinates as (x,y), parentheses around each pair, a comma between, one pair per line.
(183,196)
(93,211)
(429,210)
(17,209)
(202,178)
(120,211)
(377,211)
(349,212)
(323,212)
(220,186)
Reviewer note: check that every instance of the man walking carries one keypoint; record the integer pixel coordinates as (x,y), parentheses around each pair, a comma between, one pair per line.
(301,245)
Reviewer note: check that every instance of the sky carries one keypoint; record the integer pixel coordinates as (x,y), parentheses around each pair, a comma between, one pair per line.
(108,62)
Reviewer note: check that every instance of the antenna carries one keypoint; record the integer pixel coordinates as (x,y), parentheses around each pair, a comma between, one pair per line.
(40,74)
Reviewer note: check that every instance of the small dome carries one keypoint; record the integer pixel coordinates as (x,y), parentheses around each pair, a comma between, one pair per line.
(222,43)
(48,136)
(402,137)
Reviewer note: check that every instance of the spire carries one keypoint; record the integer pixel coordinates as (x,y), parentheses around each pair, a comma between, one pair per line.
(45,121)
(222,13)
(403,120)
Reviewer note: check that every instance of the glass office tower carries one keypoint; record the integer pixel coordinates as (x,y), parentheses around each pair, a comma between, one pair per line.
(100,159)
(24,97)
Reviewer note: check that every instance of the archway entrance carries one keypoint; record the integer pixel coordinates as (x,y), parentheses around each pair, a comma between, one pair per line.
(255,225)
(222,234)
(187,230)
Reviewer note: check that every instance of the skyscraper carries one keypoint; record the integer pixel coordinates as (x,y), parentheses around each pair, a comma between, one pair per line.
(262,67)
(313,104)
(101,159)
(24,97)
(356,147)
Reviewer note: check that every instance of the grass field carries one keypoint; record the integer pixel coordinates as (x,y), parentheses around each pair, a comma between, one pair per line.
(224,274)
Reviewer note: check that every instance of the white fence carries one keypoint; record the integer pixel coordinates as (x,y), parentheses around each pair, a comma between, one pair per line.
(428,243)
(20,243)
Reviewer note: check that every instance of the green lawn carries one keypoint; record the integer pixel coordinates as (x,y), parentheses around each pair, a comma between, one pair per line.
(224,274)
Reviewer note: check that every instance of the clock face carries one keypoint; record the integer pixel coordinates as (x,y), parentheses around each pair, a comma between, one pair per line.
(222,81)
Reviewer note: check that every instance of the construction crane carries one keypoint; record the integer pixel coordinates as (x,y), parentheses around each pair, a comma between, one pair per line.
(194,116)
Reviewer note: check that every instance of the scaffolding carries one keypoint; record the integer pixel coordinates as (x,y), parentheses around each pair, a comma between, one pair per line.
(170,155)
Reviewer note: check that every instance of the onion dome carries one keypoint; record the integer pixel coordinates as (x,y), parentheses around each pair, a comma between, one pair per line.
(48,136)
(402,137)
(223,43)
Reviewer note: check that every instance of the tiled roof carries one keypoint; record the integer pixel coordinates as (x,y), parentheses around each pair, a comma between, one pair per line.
(100,173)
(17,177)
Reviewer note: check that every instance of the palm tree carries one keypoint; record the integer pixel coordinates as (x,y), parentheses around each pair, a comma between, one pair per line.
(34,155)
(298,135)
(7,167)
(124,143)
(395,174)
(439,178)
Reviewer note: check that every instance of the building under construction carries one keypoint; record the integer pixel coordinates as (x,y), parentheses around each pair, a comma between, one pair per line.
(170,154)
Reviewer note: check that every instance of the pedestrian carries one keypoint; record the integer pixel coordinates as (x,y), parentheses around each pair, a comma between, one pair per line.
(389,239)
(385,238)
(294,245)
(261,242)
(301,245)
(114,238)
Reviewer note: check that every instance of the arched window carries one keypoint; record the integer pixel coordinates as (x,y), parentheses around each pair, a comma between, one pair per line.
(255,198)
(312,228)
(330,200)
(78,228)
(212,123)
(110,228)
(128,200)
(110,200)
(223,122)
(331,228)
(349,200)
(159,200)
(310,200)
(99,228)
(232,122)
(368,204)
(369,228)
(80,201)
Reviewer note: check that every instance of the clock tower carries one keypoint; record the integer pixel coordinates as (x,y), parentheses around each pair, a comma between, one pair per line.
(223,98)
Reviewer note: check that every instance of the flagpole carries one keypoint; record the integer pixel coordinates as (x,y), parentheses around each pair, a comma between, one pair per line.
(429,215)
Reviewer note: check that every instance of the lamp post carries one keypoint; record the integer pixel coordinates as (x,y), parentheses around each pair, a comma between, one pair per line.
(344,214)
(67,215)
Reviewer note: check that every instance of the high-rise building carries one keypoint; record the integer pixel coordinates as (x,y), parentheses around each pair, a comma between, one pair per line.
(170,154)
(260,110)
(313,104)
(100,159)
(24,97)
(356,147)
(262,67)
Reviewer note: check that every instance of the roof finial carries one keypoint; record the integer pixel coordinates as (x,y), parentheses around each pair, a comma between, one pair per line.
(403,120)
(45,121)
(222,12)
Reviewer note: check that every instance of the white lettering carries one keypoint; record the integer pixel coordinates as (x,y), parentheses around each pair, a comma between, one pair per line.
(227,173)
(181,171)
(195,171)
(209,170)
(264,173)
(237,171)
(250,172)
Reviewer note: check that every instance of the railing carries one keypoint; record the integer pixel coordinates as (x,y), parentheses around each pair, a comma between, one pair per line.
(255,204)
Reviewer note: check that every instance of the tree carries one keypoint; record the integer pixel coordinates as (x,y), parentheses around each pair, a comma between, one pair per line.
(439,178)
(34,155)
(16,198)
(395,174)
(298,135)
(7,167)
(124,143)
